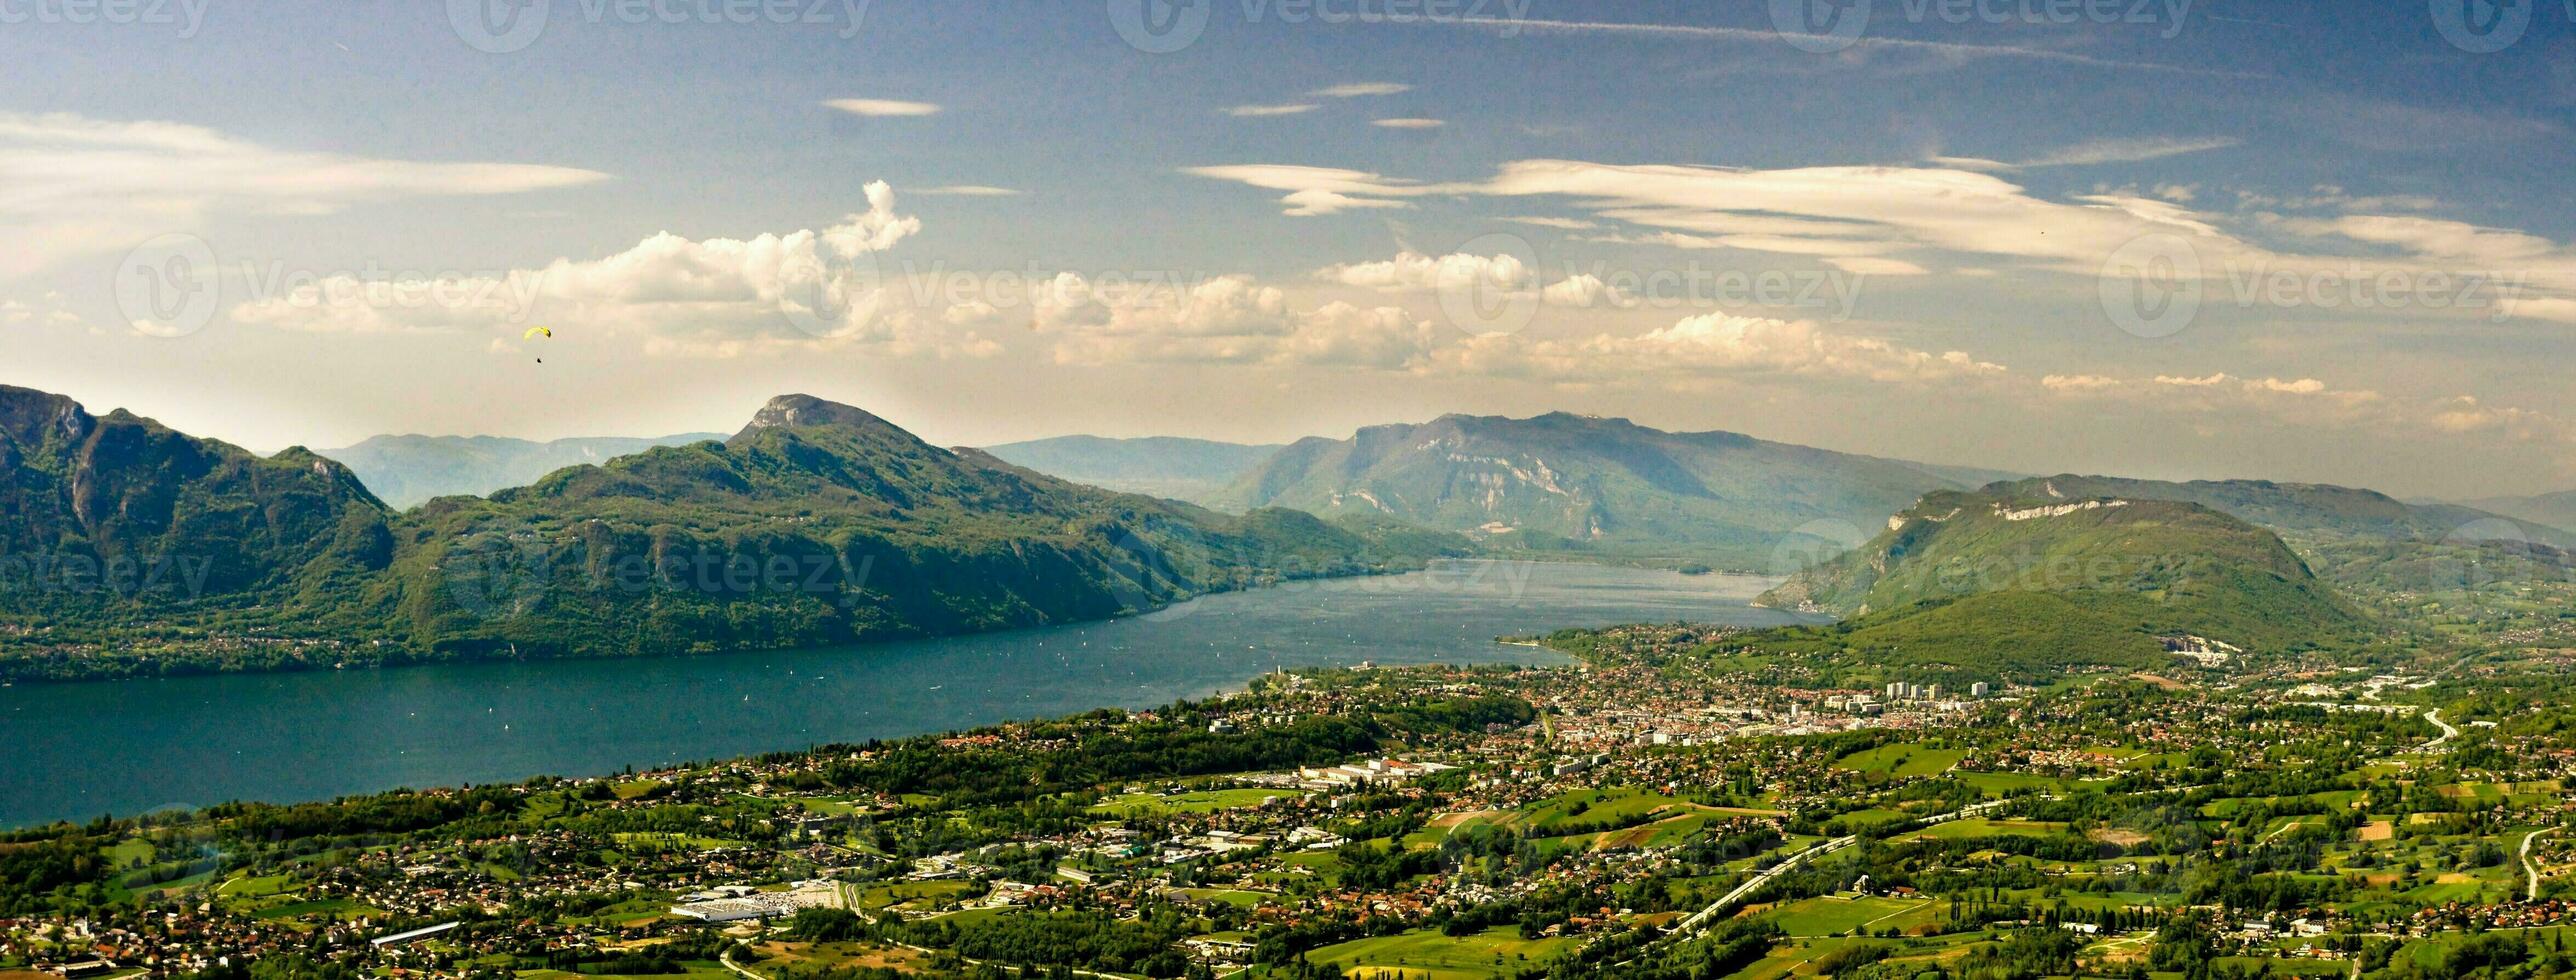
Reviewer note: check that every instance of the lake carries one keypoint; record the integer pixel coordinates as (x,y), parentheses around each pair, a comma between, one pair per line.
(75,751)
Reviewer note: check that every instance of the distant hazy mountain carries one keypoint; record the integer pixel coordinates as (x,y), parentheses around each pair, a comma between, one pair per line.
(1182,469)
(1604,486)
(2557,510)
(406,471)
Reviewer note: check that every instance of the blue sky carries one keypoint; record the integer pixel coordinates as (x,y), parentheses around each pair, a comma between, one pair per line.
(1271,231)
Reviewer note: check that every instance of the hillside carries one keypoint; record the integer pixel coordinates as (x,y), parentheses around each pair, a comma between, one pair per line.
(2017,581)
(816,524)
(406,471)
(1181,469)
(120,505)
(2315,509)
(1605,487)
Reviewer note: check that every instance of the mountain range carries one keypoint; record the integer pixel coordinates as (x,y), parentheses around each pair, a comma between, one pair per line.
(1182,469)
(1599,486)
(407,470)
(816,524)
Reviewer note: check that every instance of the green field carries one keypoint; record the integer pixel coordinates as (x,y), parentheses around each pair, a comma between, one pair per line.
(1150,804)
(1431,956)
(1837,916)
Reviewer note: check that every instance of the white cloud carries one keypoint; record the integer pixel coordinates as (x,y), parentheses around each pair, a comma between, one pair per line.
(675,296)
(1562,224)
(1414,270)
(1409,122)
(1264,111)
(2130,150)
(1695,348)
(71,185)
(1321,190)
(1354,90)
(1224,320)
(883,108)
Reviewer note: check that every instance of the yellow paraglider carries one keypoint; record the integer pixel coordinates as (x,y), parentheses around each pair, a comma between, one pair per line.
(536,332)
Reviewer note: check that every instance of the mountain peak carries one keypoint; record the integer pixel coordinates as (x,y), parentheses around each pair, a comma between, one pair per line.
(800,411)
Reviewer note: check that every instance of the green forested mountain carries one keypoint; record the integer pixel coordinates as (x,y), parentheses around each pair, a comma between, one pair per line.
(1182,469)
(818,523)
(405,471)
(2316,509)
(87,502)
(2019,579)
(1592,485)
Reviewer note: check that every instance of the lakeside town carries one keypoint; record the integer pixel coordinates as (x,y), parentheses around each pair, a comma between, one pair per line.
(1636,813)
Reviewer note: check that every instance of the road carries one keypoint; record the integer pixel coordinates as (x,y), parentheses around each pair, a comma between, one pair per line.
(1727,903)
(2531,891)
(2448,732)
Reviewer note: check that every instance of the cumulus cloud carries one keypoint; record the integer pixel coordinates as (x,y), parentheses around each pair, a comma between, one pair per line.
(71,185)
(674,295)
(1224,320)
(1715,344)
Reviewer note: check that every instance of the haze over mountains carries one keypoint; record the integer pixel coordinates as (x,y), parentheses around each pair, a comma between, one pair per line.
(407,470)
(1609,487)
(1196,470)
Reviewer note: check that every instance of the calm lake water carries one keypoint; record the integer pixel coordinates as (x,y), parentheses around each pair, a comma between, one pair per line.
(76,751)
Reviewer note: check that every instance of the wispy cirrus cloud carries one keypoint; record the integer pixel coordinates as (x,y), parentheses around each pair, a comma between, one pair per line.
(1353,90)
(71,185)
(884,108)
(1267,111)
